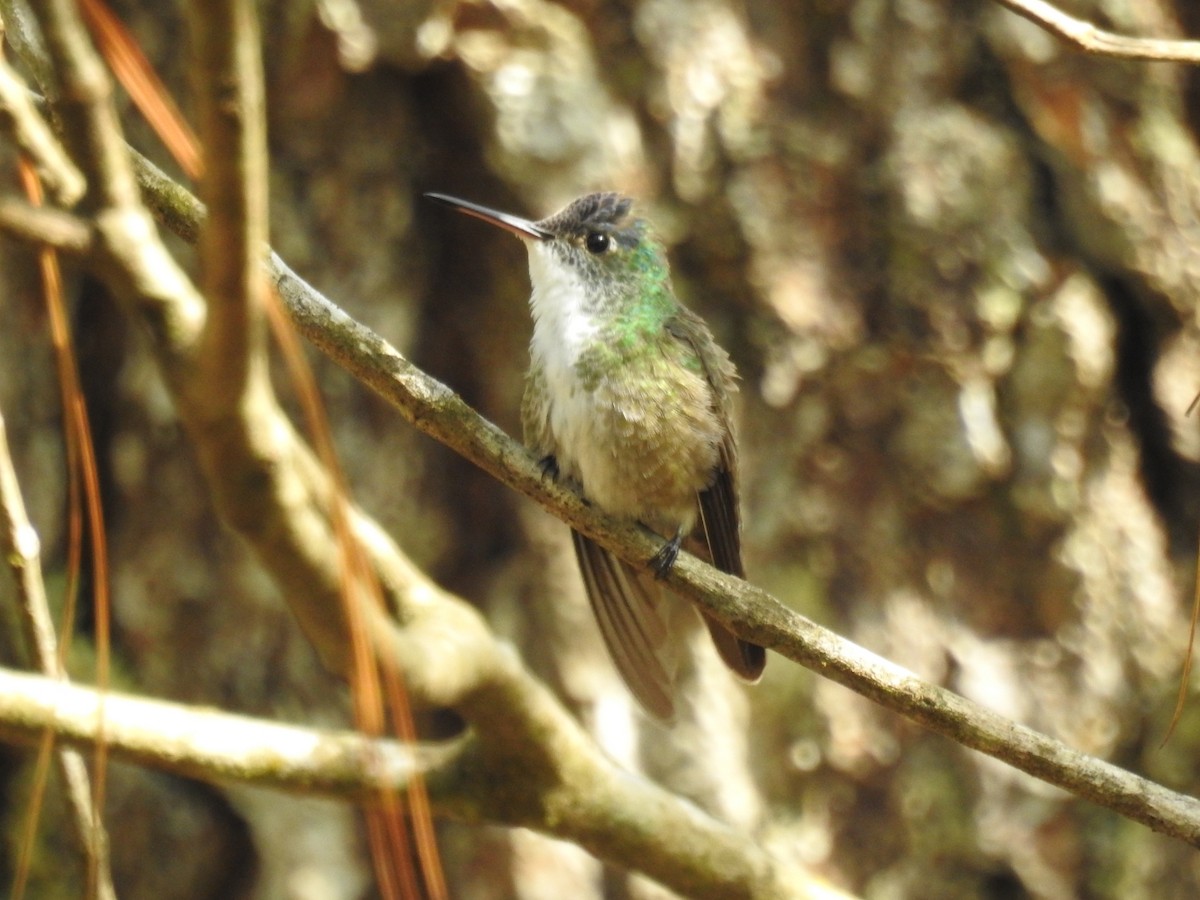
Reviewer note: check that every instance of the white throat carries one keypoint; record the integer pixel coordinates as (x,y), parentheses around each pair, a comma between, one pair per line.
(562,323)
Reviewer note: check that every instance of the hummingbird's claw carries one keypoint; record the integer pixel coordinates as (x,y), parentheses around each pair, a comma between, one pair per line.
(549,466)
(662,561)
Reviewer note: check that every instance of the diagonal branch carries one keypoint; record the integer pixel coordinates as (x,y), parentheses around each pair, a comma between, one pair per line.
(1086,36)
(33,135)
(752,613)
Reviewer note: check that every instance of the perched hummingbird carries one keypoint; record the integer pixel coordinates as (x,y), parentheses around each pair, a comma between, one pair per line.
(628,397)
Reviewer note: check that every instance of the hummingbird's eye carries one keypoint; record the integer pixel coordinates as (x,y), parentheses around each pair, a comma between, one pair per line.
(596,242)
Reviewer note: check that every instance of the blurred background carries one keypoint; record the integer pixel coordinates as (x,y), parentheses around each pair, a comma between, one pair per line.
(956,264)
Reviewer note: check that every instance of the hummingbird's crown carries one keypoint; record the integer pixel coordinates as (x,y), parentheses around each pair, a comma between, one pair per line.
(603,213)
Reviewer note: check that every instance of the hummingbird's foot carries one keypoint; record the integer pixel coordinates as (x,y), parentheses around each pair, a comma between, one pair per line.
(549,466)
(662,561)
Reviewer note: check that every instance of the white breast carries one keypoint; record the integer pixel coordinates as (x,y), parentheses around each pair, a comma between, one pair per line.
(563,327)
(562,324)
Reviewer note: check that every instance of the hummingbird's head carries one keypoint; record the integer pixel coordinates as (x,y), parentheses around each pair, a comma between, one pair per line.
(603,243)
(594,252)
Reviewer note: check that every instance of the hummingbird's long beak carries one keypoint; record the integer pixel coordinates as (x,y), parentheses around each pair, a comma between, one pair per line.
(520,227)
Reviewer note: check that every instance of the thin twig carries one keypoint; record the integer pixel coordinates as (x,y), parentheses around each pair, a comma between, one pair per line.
(90,125)
(60,176)
(44,225)
(20,546)
(1088,37)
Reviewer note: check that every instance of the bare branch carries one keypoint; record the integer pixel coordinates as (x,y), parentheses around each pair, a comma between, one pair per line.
(19,545)
(60,176)
(588,799)
(1091,39)
(209,744)
(126,251)
(752,613)
(44,225)
(21,548)
(90,125)
(229,89)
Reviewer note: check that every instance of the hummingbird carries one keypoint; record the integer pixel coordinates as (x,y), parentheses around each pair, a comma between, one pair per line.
(628,398)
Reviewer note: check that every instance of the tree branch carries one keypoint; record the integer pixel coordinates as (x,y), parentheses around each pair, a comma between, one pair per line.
(90,124)
(1091,39)
(232,359)
(44,225)
(60,176)
(751,612)
(582,798)
(20,546)
(214,745)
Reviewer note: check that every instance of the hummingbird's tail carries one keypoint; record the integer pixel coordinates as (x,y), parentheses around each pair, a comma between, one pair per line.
(747,660)
(630,609)
(627,609)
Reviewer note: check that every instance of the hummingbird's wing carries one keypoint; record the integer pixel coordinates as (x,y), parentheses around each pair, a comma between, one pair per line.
(718,531)
(634,632)
(717,536)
